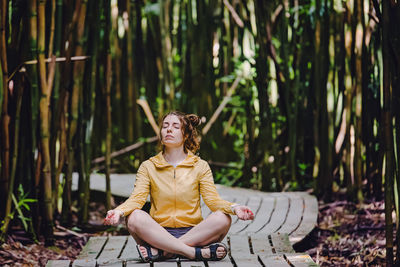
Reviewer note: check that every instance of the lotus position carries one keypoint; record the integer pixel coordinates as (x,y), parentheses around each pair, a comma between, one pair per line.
(175,180)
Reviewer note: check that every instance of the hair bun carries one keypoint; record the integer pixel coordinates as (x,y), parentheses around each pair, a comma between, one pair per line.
(194,119)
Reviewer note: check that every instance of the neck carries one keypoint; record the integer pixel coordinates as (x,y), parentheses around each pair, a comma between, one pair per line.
(174,154)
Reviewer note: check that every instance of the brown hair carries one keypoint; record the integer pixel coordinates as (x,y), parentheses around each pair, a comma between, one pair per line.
(189,123)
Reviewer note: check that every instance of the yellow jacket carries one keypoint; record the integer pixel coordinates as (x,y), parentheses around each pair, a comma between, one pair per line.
(175,192)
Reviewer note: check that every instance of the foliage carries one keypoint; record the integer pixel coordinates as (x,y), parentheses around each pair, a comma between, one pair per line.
(21,204)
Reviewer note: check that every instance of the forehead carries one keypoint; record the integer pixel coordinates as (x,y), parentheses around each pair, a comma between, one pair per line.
(172,119)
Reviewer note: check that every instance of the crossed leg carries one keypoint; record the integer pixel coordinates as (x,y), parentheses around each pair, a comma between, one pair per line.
(145,229)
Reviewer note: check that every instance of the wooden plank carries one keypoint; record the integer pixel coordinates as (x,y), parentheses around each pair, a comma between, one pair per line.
(239,245)
(263,215)
(295,214)
(111,263)
(130,252)
(254,204)
(137,264)
(278,216)
(84,263)
(250,260)
(226,262)
(166,264)
(58,263)
(261,245)
(281,243)
(187,263)
(309,220)
(112,249)
(300,260)
(274,261)
(92,248)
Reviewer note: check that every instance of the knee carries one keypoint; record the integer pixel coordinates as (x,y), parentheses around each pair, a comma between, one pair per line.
(222,219)
(135,220)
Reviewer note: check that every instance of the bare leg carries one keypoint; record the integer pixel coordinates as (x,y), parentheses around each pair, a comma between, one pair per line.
(143,228)
(213,229)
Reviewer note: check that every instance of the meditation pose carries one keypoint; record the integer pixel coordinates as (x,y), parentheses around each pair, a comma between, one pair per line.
(175,180)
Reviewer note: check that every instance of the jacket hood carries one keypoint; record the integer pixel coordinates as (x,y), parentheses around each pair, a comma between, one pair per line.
(160,162)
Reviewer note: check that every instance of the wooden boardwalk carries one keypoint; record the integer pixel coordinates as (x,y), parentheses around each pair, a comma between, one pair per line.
(281,220)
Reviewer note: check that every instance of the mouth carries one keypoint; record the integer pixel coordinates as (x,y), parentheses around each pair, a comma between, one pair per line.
(169,136)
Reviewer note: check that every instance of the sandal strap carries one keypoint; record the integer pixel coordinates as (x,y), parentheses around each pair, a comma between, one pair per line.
(198,256)
(213,252)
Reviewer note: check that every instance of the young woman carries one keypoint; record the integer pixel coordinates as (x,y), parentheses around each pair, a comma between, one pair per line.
(175,180)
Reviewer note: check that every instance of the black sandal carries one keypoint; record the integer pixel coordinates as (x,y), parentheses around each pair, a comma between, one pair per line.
(150,257)
(213,252)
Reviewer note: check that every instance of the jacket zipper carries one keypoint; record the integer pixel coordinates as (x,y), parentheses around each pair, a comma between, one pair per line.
(175,195)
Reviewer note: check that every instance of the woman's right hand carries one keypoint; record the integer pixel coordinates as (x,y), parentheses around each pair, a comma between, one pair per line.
(113,217)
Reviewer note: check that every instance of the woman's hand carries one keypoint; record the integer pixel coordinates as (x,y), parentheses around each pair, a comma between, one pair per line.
(244,212)
(113,217)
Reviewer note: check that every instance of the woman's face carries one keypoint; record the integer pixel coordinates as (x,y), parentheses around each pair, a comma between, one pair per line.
(171,132)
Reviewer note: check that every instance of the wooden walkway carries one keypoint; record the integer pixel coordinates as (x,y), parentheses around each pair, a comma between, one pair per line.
(281,220)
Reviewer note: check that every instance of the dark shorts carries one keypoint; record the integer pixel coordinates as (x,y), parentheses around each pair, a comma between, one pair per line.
(178,232)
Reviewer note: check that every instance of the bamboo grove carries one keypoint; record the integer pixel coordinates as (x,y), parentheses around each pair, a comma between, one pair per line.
(294,94)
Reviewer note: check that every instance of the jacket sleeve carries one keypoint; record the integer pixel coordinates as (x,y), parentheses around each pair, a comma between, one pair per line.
(139,194)
(210,194)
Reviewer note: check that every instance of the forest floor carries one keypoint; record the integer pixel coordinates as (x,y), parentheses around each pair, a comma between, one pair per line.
(347,234)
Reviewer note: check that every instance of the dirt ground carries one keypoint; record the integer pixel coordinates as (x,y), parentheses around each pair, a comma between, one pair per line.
(347,235)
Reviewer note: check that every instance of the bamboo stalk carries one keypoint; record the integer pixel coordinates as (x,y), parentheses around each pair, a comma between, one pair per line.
(34,108)
(74,109)
(55,115)
(117,56)
(14,156)
(63,140)
(235,15)
(348,100)
(126,149)
(388,134)
(166,45)
(52,28)
(5,118)
(51,60)
(218,111)
(130,101)
(147,110)
(359,44)
(1,97)
(44,123)
(89,134)
(107,90)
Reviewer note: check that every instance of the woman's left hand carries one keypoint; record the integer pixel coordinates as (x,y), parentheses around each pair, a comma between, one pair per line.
(244,212)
